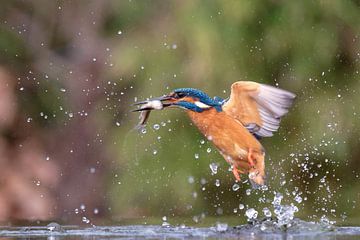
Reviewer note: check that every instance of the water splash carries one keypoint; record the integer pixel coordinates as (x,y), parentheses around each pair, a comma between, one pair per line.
(281,219)
(165,223)
(221,227)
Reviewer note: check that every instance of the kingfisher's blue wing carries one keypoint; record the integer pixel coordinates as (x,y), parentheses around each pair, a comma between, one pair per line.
(220,100)
(258,107)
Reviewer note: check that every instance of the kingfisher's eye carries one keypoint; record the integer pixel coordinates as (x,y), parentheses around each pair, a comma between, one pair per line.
(180,95)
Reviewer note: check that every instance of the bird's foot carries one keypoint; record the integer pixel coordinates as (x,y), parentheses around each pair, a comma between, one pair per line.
(236,173)
(251,158)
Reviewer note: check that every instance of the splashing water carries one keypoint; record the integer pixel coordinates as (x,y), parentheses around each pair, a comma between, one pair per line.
(221,227)
(165,223)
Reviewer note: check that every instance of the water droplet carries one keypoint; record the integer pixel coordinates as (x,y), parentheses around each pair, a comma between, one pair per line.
(156,126)
(143,131)
(251,214)
(92,170)
(29,119)
(191,179)
(202,141)
(196,156)
(203,181)
(119,32)
(154,151)
(47,158)
(208,150)
(241,206)
(37,183)
(62,90)
(214,168)
(94,59)
(85,220)
(117,124)
(248,192)
(267,212)
(252,175)
(235,187)
(298,199)
(277,199)
(217,182)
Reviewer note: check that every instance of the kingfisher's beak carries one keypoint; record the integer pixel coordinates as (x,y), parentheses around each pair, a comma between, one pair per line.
(154,103)
(161,99)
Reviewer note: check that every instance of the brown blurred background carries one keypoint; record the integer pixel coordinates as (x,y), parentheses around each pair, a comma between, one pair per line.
(69,71)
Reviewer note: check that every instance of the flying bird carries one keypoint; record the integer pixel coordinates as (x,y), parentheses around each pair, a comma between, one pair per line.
(234,125)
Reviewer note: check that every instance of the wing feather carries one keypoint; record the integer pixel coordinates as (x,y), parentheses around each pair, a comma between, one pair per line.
(258,107)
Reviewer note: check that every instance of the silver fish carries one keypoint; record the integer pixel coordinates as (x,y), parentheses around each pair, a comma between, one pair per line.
(145,110)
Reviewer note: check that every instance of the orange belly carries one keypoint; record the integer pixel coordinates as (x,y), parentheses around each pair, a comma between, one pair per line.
(231,138)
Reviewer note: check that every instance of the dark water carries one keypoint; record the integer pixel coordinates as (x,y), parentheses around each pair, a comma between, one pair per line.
(265,230)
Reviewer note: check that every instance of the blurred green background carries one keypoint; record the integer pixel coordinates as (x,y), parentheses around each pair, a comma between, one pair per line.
(70,70)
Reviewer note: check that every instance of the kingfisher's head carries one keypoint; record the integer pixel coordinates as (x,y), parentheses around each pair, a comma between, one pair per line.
(188,98)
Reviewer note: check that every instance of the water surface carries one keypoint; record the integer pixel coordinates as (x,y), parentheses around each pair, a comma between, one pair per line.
(264,230)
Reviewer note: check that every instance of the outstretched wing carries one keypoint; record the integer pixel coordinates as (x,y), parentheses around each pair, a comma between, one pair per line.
(258,107)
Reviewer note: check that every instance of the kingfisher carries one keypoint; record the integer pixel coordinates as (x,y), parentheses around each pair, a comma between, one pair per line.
(234,125)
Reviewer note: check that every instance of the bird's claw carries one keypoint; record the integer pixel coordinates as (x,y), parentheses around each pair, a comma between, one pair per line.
(236,173)
(251,158)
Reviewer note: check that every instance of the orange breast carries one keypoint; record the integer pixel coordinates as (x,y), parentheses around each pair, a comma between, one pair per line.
(231,138)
